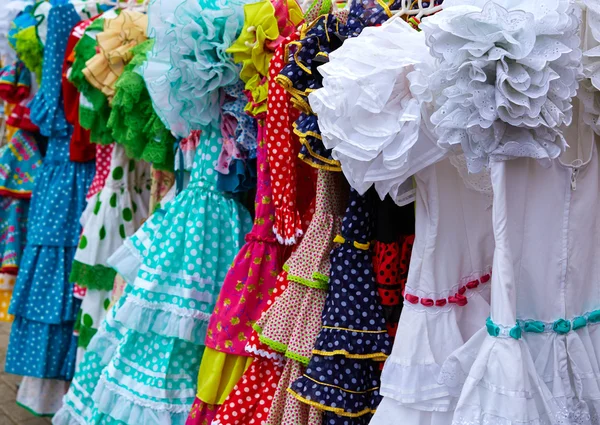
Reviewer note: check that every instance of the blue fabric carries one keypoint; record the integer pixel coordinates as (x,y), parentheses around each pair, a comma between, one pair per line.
(354,338)
(41,342)
(47,107)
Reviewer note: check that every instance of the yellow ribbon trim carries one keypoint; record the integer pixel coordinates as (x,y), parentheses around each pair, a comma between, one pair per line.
(335,410)
(364,246)
(354,330)
(340,388)
(373,356)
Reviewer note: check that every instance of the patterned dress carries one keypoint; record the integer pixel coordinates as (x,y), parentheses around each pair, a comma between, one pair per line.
(155,332)
(342,377)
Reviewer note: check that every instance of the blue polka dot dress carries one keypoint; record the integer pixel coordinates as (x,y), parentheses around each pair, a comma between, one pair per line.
(342,377)
(41,341)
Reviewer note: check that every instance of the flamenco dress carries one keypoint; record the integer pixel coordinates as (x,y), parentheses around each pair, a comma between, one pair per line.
(292,322)
(292,180)
(545,344)
(242,298)
(445,296)
(133,121)
(394,238)
(41,343)
(119,208)
(342,377)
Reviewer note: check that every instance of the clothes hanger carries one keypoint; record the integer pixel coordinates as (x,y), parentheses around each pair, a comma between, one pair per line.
(406,10)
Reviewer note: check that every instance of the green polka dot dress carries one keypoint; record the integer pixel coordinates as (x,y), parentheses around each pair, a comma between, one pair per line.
(157,328)
(112,215)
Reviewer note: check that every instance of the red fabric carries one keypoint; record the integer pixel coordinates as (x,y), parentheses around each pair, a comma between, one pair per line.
(283,147)
(80,149)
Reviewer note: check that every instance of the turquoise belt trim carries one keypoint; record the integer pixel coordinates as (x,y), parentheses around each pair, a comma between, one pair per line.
(560,326)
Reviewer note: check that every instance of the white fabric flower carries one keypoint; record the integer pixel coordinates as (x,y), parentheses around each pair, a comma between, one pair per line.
(371,106)
(506,71)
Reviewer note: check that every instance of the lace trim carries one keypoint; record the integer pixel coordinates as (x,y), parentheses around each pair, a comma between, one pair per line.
(258,352)
(92,277)
(373,356)
(320,281)
(179,311)
(164,407)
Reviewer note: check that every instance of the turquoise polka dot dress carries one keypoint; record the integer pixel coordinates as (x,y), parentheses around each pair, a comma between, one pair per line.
(157,327)
(41,341)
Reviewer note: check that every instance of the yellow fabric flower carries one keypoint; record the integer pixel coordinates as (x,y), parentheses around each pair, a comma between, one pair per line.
(120,35)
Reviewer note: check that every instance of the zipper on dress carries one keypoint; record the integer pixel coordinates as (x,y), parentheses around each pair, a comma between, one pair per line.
(574,174)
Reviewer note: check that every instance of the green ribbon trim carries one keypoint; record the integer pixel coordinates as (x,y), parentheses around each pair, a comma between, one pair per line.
(316,283)
(297,357)
(93,277)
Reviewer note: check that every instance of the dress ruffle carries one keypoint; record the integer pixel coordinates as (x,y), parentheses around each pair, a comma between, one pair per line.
(63,185)
(78,407)
(183,74)
(132,393)
(292,323)
(371,110)
(154,303)
(15,82)
(44,350)
(509,101)
(287,409)
(44,281)
(327,385)
(30,50)
(544,378)
(410,376)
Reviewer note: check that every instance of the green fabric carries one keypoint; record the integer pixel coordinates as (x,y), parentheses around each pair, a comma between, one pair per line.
(133,121)
(31,51)
(319,281)
(96,117)
(86,333)
(93,277)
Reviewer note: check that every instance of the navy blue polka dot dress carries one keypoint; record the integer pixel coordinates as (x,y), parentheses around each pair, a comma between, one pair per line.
(41,340)
(342,377)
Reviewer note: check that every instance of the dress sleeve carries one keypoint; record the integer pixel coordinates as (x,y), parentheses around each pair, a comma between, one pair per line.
(282,151)
(372,109)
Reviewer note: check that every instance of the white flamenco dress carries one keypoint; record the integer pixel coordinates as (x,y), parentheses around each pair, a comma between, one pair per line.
(535,360)
(448,288)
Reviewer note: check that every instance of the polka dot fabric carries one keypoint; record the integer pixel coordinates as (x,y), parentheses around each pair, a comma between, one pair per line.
(291,324)
(250,400)
(282,148)
(103,156)
(151,378)
(343,374)
(41,341)
(252,276)
(386,265)
(286,409)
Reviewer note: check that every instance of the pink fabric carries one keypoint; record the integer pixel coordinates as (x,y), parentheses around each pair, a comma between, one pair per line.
(103,155)
(252,277)
(201,413)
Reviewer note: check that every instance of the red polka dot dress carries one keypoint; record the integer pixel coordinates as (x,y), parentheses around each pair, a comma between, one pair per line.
(283,148)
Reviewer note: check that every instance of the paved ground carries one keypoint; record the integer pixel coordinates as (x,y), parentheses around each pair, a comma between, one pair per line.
(10,413)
